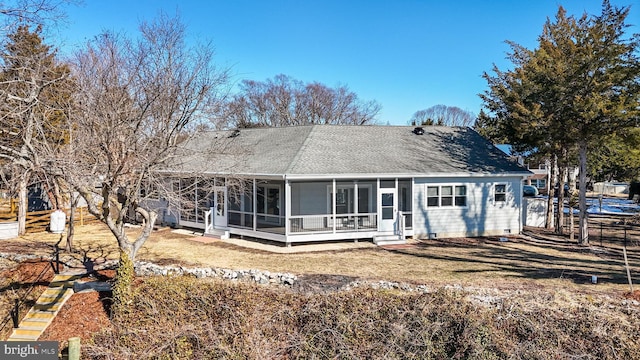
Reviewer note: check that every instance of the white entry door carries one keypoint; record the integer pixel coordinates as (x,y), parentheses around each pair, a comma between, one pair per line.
(220,207)
(387,209)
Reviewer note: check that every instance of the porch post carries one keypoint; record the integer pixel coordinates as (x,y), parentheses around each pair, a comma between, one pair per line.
(355,204)
(255,206)
(287,208)
(333,204)
(378,205)
(197,201)
(414,210)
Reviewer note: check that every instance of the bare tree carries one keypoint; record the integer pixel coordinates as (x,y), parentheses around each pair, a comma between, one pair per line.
(33,12)
(32,93)
(284,101)
(443,115)
(138,100)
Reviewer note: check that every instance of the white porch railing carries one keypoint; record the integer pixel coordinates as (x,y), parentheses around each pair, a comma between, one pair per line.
(208,220)
(329,223)
(401,229)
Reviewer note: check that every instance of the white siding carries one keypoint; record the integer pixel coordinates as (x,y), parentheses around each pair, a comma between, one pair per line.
(481,216)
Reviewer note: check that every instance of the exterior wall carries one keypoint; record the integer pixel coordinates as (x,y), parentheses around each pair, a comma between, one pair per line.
(482,215)
(309,198)
(310,215)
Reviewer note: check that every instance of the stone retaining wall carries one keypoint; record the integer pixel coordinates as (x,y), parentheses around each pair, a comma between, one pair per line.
(261,277)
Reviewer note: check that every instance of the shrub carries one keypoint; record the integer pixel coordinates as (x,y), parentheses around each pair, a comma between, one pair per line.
(188,318)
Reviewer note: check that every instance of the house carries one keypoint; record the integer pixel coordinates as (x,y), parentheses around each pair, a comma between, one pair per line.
(540,173)
(340,182)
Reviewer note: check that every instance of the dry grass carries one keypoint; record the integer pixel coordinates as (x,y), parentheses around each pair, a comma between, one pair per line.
(524,298)
(520,262)
(188,318)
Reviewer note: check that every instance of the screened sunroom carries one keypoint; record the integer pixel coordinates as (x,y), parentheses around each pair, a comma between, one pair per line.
(301,210)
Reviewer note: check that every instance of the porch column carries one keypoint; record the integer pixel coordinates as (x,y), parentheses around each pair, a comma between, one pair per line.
(378,205)
(356,218)
(414,209)
(287,207)
(333,204)
(255,206)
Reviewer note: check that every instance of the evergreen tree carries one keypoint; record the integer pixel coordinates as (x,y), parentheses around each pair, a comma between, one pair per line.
(577,87)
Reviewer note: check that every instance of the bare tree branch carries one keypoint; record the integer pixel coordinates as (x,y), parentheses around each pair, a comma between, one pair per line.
(284,101)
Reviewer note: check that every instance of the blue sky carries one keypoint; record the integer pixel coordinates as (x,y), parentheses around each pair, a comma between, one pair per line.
(406,55)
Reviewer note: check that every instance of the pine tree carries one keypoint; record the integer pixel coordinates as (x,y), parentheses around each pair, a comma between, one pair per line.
(579,85)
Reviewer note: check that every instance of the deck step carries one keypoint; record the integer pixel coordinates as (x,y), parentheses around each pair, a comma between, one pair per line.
(391,239)
(218,233)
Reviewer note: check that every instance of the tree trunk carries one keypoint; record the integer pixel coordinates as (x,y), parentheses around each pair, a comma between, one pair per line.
(23,203)
(572,231)
(73,205)
(560,212)
(122,294)
(583,233)
(549,218)
(53,193)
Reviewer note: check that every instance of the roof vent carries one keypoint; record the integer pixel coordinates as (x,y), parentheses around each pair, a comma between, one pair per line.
(418,131)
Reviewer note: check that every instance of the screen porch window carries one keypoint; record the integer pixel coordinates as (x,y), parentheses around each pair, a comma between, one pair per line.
(268,200)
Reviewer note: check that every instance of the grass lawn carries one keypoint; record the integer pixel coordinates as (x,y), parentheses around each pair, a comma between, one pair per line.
(522,262)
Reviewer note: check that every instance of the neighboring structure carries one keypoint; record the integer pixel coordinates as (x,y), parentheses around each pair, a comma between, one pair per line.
(540,177)
(331,182)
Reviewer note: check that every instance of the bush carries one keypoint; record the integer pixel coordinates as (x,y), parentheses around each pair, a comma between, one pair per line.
(188,318)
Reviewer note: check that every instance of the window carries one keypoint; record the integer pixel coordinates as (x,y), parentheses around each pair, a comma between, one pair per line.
(448,195)
(268,200)
(500,192)
(433,196)
(461,196)
(346,199)
(541,184)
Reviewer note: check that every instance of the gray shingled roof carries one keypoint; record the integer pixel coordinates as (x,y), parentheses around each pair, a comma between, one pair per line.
(349,150)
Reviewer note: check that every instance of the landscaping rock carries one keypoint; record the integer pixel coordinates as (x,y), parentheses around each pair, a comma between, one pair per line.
(143,268)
